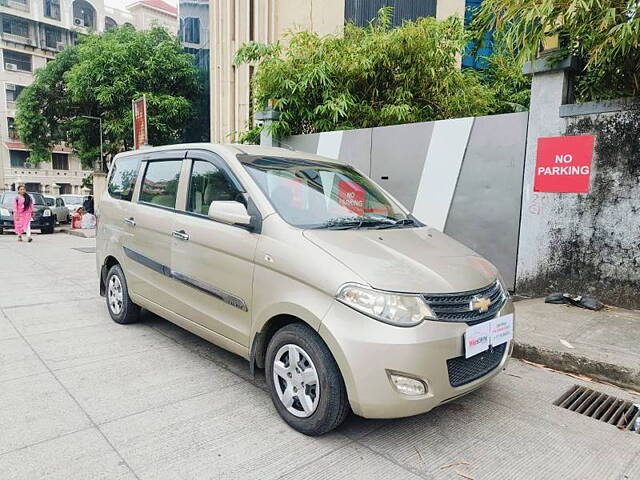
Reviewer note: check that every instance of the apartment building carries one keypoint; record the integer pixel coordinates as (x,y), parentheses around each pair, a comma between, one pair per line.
(33,32)
(236,22)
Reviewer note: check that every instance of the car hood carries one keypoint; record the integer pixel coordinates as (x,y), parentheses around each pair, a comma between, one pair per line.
(415,260)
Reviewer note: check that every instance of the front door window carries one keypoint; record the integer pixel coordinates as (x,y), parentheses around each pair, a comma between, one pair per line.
(208,184)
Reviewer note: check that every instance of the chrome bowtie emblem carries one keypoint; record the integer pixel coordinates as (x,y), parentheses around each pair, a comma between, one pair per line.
(480,304)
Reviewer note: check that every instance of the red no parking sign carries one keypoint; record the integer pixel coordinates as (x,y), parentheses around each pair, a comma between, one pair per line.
(563,164)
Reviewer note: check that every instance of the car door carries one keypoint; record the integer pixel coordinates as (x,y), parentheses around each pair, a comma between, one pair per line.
(152,219)
(212,262)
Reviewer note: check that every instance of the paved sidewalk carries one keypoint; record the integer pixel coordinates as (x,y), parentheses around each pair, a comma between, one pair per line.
(603,345)
(84,398)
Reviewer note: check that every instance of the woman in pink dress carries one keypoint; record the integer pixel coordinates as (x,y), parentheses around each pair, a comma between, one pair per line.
(22,212)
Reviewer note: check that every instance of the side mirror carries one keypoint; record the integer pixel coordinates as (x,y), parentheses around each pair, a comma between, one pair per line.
(230,212)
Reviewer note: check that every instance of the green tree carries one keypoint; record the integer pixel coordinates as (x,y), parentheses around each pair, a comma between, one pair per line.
(99,77)
(368,77)
(603,34)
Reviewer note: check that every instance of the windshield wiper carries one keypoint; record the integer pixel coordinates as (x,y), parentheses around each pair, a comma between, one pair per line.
(399,223)
(353,223)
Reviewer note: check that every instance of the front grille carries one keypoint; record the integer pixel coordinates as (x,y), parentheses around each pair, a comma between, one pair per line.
(465,370)
(455,307)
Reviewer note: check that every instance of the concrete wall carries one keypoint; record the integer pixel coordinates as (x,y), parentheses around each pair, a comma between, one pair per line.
(583,243)
(455,175)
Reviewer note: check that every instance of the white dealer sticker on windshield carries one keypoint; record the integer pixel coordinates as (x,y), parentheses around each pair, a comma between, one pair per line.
(478,338)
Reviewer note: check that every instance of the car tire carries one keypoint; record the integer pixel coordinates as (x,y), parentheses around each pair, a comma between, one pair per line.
(326,407)
(121,309)
(47,230)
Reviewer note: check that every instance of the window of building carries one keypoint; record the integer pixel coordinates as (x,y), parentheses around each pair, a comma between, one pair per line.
(160,183)
(191,30)
(15,26)
(18,157)
(13,132)
(13,91)
(361,13)
(60,161)
(109,23)
(16,61)
(84,15)
(208,184)
(52,9)
(53,36)
(123,178)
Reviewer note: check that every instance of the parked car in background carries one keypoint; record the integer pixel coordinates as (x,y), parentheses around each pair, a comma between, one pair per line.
(72,202)
(307,268)
(60,210)
(43,217)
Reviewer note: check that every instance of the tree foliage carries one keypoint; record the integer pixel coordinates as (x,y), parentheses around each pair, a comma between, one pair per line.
(99,77)
(368,77)
(604,34)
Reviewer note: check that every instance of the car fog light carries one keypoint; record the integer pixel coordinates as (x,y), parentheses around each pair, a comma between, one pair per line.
(407,385)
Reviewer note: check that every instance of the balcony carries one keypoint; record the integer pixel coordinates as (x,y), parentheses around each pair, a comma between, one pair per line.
(15,5)
(9,37)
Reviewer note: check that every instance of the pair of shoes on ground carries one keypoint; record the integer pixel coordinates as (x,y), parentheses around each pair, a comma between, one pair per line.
(29,239)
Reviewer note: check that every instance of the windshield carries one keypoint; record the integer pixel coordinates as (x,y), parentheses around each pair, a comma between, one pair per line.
(38,199)
(72,199)
(50,201)
(312,194)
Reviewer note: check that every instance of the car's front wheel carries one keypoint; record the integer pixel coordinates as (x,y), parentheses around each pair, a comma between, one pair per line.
(47,230)
(121,308)
(306,386)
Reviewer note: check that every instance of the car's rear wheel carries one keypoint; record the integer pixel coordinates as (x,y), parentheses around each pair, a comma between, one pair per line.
(121,308)
(306,386)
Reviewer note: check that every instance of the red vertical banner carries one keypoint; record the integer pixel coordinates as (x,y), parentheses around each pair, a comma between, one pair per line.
(139,108)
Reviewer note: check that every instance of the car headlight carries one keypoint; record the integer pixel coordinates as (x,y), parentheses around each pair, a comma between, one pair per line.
(402,310)
(46,213)
(5,212)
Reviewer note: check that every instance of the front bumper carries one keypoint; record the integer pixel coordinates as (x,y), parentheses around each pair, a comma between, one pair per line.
(367,350)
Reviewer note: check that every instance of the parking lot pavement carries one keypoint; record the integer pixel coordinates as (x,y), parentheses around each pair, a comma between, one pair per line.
(82,397)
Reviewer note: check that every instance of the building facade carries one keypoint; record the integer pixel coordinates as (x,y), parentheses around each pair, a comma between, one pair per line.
(236,22)
(33,32)
(194,34)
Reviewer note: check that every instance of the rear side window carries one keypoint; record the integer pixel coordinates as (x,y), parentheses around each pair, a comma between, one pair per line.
(160,183)
(123,178)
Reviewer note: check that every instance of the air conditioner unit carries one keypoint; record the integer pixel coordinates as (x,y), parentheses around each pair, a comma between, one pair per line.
(11,66)
(28,165)
(78,22)
(59,46)
(10,86)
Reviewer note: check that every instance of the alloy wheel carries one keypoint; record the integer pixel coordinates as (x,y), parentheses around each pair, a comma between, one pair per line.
(115,295)
(296,380)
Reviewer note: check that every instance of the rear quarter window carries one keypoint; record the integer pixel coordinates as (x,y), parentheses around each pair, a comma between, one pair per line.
(123,178)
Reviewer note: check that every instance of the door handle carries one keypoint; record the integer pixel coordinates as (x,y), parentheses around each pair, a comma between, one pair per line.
(180,235)
(129,221)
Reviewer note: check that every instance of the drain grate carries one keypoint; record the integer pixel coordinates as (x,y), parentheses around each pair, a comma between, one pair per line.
(86,249)
(600,406)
